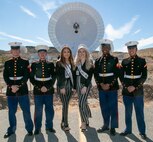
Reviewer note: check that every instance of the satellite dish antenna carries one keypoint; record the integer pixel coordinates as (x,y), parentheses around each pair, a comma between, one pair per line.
(76,23)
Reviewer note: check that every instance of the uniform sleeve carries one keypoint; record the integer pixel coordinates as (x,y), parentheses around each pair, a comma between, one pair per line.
(53,73)
(32,73)
(143,74)
(6,74)
(116,71)
(96,74)
(121,75)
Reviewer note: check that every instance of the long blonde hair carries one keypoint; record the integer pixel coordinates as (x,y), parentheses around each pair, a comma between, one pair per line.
(88,59)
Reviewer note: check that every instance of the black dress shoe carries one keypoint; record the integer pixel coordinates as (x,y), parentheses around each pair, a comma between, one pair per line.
(52,130)
(102,129)
(8,134)
(125,133)
(112,132)
(37,131)
(143,136)
(30,133)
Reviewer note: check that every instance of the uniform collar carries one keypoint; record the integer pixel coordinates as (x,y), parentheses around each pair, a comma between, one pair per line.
(106,55)
(134,57)
(42,61)
(16,58)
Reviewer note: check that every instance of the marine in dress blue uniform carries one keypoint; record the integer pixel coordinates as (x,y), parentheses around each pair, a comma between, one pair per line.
(16,74)
(43,78)
(106,73)
(134,74)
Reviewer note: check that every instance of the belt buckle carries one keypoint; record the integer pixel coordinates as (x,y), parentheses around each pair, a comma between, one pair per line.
(15,78)
(103,75)
(133,77)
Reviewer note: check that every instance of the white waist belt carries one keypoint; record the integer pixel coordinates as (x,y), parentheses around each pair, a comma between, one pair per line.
(42,79)
(106,74)
(16,78)
(132,76)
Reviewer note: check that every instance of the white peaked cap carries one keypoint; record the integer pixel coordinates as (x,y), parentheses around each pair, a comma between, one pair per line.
(15,43)
(42,48)
(107,41)
(131,43)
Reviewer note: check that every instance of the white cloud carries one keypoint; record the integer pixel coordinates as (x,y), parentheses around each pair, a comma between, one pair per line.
(113,34)
(27,11)
(137,31)
(124,49)
(47,5)
(17,38)
(48,14)
(145,42)
(44,40)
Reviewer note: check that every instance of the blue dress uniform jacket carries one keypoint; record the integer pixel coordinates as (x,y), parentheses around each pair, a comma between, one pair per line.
(107,71)
(134,73)
(16,72)
(43,74)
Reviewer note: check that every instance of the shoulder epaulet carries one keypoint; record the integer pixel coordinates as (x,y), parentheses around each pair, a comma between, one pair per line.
(9,59)
(24,59)
(127,58)
(35,62)
(49,61)
(98,59)
(141,58)
(112,56)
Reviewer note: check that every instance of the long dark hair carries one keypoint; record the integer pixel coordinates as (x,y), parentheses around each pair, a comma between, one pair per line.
(62,59)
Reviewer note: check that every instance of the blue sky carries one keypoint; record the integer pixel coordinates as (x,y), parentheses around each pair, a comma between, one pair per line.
(27,21)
